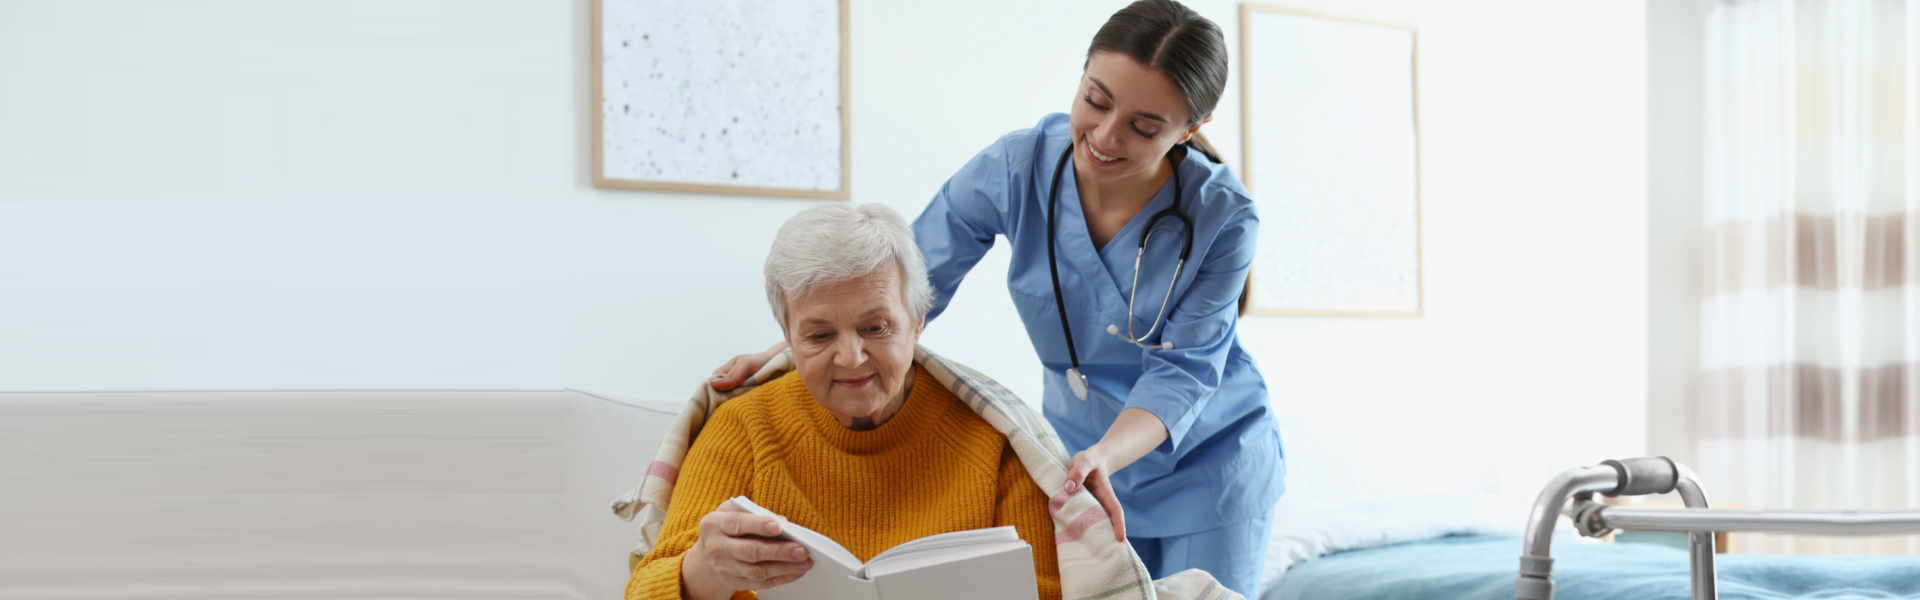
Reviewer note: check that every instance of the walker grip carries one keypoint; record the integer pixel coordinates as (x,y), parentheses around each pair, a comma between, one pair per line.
(1643,476)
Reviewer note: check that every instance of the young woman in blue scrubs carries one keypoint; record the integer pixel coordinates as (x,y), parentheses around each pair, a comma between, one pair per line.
(1179,444)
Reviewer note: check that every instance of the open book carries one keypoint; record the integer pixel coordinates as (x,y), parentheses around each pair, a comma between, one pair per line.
(978,563)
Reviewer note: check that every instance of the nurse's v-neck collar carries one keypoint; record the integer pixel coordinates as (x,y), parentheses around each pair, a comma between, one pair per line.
(1076,241)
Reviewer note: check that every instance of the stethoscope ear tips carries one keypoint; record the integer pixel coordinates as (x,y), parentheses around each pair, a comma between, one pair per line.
(1115,330)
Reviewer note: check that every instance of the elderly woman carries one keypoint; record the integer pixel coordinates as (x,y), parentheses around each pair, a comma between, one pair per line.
(857,443)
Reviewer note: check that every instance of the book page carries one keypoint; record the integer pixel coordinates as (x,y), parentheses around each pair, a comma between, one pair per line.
(818,545)
(978,563)
(1003,575)
(946,542)
(909,561)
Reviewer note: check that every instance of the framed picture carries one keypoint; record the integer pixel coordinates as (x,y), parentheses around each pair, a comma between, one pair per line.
(1332,157)
(721,96)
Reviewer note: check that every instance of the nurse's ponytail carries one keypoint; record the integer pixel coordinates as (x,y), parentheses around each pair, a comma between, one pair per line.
(1168,36)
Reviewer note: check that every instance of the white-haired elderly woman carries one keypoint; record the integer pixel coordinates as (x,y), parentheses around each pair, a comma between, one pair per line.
(857,443)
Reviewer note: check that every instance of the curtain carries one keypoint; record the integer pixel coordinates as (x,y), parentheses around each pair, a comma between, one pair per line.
(1809,391)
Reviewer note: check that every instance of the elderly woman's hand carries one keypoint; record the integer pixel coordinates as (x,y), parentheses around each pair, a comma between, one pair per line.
(733,554)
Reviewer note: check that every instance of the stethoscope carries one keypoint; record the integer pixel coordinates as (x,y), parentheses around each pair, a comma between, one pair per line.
(1074,379)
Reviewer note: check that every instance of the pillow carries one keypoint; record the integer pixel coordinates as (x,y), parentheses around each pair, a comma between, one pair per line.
(1309,534)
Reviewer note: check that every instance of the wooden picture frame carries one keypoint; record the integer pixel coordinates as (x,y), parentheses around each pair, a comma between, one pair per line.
(1387,236)
(603,178)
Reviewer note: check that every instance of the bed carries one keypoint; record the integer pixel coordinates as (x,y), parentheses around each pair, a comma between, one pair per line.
(1483,567)
(1468,546)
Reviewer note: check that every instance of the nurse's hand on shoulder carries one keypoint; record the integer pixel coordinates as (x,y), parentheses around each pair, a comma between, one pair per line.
(736,371)
(1090,469)
(734,554)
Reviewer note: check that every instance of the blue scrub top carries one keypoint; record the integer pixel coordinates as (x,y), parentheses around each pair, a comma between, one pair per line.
(1222,462)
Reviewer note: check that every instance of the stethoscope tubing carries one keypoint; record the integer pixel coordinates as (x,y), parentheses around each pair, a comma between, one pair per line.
(1076,380)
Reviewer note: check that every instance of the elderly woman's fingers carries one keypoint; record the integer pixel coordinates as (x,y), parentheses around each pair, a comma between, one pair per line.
(780,581)
(736,552)
(752,564)
(736,575)
(760,576)
(742,536)
(749,550)
(728,522)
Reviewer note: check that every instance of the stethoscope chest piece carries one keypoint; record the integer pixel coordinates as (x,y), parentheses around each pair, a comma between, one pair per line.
(1078,382)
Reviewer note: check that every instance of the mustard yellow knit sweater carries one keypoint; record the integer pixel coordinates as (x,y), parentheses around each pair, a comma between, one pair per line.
(935,467)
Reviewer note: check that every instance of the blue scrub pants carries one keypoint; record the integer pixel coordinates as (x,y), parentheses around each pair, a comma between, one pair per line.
(1233,554)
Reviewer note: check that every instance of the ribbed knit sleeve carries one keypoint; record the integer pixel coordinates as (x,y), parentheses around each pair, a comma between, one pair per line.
(1022,505)
(719,466)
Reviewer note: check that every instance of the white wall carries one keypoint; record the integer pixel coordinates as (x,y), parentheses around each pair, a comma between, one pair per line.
(358,194)
(1532,353)
(286,195)
(1675,209)
(933,83)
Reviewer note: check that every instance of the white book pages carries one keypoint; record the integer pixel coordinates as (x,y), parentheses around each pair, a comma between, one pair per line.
(818,545)
(1003,575)
(979,563)
(920,560)
(946,542)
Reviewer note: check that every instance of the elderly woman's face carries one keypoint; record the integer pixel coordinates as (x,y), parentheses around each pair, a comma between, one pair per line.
(853,345)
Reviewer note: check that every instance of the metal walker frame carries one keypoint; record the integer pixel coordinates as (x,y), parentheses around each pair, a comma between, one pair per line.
(1660,475)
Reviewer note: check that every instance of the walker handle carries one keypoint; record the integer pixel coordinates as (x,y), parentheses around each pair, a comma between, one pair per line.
(1643,476)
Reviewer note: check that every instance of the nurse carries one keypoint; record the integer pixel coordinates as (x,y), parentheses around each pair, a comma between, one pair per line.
(1178,442)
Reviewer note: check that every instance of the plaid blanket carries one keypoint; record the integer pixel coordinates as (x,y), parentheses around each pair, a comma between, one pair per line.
(1092,564)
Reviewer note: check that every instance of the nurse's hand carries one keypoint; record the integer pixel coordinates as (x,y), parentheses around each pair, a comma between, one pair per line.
(734,554)
(736,371)
(1090,469)
(1133,434)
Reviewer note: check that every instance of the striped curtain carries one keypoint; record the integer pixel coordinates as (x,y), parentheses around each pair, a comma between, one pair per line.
(1809,394)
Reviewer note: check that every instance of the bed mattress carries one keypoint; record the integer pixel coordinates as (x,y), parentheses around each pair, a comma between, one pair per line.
(1483,567)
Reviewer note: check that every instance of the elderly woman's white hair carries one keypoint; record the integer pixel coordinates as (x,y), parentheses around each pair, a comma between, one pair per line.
(831,243)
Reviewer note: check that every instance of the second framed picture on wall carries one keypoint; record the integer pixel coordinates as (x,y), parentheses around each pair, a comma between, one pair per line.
(1332,157)
(745,97)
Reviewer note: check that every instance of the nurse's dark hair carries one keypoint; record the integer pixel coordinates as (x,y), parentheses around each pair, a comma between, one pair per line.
(1168,36)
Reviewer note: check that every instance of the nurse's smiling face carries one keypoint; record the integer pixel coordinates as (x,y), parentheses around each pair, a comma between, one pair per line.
(1125,118)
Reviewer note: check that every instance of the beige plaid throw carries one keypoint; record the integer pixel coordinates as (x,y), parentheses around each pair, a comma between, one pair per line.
(1092,565)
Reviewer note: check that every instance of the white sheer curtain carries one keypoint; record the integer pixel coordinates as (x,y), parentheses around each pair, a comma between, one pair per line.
(1810,354)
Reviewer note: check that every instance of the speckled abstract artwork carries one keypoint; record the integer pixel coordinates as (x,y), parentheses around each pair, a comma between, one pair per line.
(722,92)
(1333,163)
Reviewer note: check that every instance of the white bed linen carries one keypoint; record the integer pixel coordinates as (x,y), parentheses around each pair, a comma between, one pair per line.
(1305,535)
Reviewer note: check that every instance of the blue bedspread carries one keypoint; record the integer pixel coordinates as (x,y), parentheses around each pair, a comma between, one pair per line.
(1484,568)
